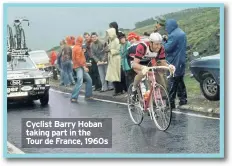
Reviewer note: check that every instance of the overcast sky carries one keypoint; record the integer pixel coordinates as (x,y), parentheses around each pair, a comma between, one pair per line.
(49,25)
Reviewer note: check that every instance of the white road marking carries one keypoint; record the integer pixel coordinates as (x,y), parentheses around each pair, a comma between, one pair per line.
(196,115)
(177,112)
(53,90)
(14,150)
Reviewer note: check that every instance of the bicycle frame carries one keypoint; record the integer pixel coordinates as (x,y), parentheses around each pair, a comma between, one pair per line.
(150,76)
(152,82)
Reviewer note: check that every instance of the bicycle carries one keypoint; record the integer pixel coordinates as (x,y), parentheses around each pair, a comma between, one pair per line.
(156,103)
(19,37)
(10,38)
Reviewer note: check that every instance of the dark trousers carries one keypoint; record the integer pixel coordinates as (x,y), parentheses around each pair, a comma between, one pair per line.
(120,86)
(94,74)
(123,80)
(54,71)
(176,86)
(129,76)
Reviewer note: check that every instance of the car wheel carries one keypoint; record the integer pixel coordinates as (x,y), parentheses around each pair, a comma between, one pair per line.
(210,88)
(45,99)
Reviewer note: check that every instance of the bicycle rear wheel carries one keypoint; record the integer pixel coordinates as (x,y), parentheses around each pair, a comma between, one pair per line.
(134,107)
(161,108)
(10,39)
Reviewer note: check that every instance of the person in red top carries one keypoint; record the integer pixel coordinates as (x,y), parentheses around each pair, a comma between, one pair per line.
(79,65)
(154,51)
(53,57)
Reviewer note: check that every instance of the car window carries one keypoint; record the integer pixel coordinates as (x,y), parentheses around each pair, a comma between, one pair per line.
(38,56)
(20,63)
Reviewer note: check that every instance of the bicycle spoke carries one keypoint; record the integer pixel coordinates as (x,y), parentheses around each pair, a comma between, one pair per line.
(161,108)
(134,107)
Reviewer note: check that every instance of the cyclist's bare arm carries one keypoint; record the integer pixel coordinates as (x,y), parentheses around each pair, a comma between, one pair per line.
(136,66)
(162,62)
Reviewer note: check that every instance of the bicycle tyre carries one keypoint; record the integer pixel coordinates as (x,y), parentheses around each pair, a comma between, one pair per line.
(17,38)
(137,108)
(23,40)
(8,37)
(15,43)
(10,42)
(158,108)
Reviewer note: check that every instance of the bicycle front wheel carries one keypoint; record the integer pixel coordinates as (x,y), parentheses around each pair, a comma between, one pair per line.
(134,107)
(161,108)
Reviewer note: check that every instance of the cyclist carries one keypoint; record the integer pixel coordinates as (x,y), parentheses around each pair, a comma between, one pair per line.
(155,52)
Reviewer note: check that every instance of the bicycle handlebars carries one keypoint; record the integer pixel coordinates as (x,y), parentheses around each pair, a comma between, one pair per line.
(163,67)
(20,21)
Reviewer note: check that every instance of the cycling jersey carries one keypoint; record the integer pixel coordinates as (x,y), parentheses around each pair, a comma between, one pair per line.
(142,51)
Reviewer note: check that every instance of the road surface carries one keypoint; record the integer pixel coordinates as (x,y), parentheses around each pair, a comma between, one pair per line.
(186,134)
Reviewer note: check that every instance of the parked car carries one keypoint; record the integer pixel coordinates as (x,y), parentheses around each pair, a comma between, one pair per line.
(25,81)
(41,59)
(206,70)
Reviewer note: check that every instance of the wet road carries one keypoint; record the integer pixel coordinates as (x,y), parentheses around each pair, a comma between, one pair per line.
(186,134)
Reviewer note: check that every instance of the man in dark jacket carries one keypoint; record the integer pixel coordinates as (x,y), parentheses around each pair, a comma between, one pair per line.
(175,48)
(159,27)
(93,70)
(99,56)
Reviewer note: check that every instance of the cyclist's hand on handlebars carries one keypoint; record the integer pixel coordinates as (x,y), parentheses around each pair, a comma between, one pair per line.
(144,70)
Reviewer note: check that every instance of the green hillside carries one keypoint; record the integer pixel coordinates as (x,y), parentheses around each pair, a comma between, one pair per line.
(202,26)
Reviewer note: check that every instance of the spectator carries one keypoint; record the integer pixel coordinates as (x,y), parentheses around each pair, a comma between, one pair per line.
(79,64)
(68,41)
(128,71)
(72,40)
(175,48)
(66,62)
(115,26)
(85,53)
(53,58)
(93,71)
(86,56)
(134,40)
(59,64)
(159,27)
(98,54)
(113,73)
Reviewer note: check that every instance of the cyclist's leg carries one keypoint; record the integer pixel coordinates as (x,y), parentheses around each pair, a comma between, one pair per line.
(161,79)
(136,82)
(137,79)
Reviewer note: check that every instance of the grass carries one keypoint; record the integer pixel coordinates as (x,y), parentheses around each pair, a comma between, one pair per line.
(195,97)
(192,85)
